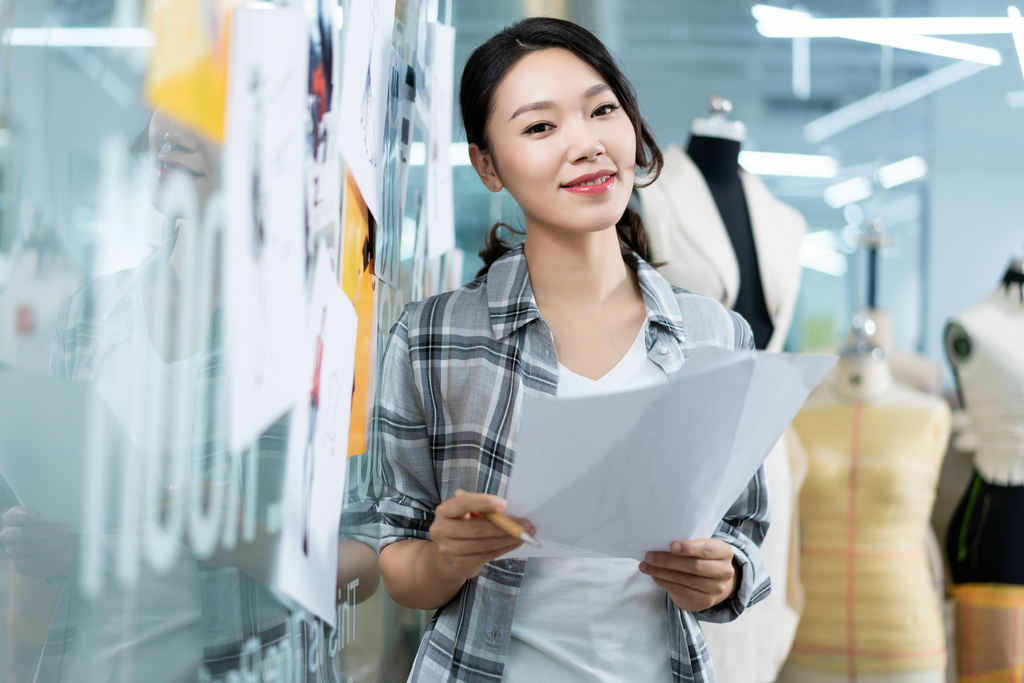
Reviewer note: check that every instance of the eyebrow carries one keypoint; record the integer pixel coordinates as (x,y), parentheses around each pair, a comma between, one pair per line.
(592,91)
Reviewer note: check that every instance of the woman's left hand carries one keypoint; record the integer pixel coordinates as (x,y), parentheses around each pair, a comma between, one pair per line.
(697,574)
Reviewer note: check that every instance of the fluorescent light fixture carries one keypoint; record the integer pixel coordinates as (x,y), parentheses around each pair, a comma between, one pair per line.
(857,112)
(1015,100)
(848,192)
(779,23)
(901,172)
(818,251)
(1018,32)
(458,154)
(802,68)
(799,165)
(902,41)
(922,26)
(80,37)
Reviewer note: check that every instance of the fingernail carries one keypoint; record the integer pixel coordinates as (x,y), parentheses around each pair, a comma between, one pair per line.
(649,557)
(677,547)
(643,567)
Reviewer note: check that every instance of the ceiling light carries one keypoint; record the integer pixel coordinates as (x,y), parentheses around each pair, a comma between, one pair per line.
(1015,100)
(903,41)
(848,192)
(1018,32)
(798,165)
(922,26)
(818,252)
(902,172)
(857,112)
(774,22)
(80,37)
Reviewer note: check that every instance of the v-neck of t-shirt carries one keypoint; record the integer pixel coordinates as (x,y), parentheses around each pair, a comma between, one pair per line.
(574,384)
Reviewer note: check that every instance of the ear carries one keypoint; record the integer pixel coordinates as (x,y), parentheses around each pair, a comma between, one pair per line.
(484,165)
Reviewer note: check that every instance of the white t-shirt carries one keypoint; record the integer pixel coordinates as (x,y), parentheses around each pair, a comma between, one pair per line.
(592,619)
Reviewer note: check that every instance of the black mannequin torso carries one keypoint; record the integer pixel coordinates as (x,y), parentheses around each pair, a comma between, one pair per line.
(718,161)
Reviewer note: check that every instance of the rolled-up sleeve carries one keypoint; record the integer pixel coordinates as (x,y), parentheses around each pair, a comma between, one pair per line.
(410,492)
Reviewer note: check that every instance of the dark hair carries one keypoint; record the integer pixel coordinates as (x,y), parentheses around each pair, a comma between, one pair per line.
(489,64)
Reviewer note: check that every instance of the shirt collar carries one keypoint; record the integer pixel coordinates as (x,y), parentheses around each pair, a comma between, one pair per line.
(512,305)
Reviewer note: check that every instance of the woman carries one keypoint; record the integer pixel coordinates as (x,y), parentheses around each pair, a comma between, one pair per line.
(576,310)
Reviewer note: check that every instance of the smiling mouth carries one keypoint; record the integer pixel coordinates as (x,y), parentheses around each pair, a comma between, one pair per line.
(599,180)
(170,167)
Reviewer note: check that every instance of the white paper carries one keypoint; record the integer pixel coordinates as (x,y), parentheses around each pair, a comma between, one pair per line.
(620,475)
(307,555)
(364,95)
(264,245)
(439,193)
(398,124)
(323,167)
(43,436)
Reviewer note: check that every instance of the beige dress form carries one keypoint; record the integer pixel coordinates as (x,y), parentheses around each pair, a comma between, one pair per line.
(687,235)
(872,610)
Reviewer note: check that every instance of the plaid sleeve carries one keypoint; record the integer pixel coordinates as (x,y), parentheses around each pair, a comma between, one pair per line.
(410,492)
(743,527)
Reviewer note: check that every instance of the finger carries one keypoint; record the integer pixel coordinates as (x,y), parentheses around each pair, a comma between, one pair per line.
(465,529)
(19,516)
(34,532)
(699,584)
(486,557)
(470,502)
(712,569)
(35,548)
(706,548)
(495,546)
(686,598)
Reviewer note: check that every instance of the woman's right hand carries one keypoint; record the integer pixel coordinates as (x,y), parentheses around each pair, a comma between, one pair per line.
(37,549)
(465,539)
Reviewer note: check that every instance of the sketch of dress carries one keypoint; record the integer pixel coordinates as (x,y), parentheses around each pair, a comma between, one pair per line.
(369,130)
(309,452)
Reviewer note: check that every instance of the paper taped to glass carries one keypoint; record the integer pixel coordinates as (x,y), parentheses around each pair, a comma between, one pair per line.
(623,474)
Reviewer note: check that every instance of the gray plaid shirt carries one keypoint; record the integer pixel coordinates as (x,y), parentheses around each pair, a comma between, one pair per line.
(454,376)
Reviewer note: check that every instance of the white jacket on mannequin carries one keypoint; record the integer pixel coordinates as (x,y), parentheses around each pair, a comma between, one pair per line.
(686,234)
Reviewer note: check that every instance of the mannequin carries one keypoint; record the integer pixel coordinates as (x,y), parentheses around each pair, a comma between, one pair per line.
(717,157)
(717,231)
(985,346)
(874,449)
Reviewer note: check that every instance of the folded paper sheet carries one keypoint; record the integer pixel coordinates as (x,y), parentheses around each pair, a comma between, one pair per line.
(619,475)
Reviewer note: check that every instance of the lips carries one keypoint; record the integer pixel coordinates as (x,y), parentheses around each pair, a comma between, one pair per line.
(167,167)
(591,183)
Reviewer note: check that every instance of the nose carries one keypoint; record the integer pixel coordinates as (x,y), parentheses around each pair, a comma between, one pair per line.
(181,137)
(584,143)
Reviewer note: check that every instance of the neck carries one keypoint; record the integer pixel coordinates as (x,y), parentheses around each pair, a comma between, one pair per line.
(717,158)
(861,377)
(583,270)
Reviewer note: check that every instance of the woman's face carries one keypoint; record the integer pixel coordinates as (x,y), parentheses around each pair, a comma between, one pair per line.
(560,144)
(179,155)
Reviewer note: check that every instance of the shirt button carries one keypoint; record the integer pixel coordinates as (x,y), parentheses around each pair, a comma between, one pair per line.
(662,350)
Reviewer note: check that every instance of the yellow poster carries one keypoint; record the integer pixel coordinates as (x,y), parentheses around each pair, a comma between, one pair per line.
(188,67)
(359,283)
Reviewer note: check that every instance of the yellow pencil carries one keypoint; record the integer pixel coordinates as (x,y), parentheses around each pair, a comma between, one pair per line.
(507,525)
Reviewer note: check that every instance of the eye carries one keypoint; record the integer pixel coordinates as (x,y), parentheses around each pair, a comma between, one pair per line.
(605,109)
(539,128)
